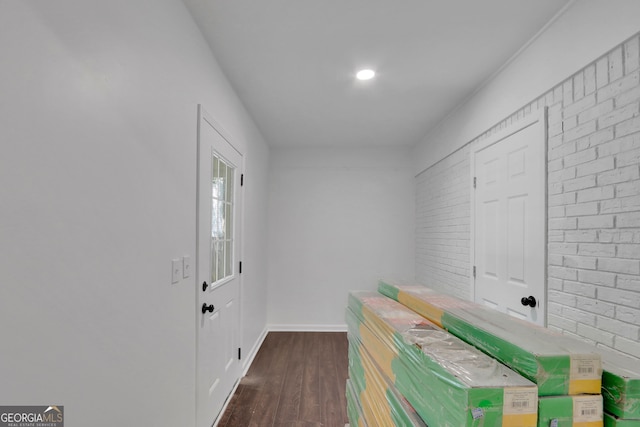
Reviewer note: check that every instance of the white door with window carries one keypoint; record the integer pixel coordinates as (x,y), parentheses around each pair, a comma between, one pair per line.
(218,282)
(509,220)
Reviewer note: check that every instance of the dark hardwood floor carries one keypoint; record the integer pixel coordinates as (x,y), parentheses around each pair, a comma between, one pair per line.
(297,379)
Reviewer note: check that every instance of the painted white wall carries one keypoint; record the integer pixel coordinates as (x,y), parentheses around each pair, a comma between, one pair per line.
(98,176)
(254,250)
(339,219)
(586,30)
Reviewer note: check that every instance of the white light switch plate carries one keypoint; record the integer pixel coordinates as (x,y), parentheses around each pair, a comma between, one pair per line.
(186,266)
(176,270)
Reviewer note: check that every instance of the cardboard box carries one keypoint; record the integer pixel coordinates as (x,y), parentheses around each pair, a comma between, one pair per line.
(570,411)
(559,365)
(448,382)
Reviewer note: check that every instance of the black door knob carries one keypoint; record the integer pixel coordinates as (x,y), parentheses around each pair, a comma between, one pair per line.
(206,308)
(530,301)
(205,285)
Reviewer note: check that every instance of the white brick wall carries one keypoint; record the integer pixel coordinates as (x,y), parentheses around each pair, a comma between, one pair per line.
(599,149)
(442,225)
(593,205)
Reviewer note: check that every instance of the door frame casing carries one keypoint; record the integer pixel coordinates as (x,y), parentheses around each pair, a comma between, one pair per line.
(204,115)
(539,118)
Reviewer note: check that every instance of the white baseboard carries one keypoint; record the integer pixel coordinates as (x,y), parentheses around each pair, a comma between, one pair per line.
(254,350)
(307,328)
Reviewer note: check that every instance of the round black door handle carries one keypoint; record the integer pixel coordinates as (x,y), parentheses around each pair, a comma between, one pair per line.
(205,285)
(530,301)
(206,308)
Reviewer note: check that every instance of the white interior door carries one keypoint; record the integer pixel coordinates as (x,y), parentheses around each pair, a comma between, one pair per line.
(218,282)
(509,248)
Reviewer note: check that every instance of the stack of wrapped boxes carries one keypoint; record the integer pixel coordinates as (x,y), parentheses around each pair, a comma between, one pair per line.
(406,371)
(415,341)
(568,373)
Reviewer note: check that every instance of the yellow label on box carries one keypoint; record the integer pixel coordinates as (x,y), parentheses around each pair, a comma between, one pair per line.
(520,407)
(585,386)
(520,420)
(585,374)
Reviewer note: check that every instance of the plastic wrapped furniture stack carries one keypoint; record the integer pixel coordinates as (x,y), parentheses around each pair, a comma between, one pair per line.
(568,377)
(396,353)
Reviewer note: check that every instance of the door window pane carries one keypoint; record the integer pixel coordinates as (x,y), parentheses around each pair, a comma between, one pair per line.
(222,205)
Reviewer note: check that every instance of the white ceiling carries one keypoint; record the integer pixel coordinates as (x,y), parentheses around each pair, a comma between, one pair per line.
(292,62)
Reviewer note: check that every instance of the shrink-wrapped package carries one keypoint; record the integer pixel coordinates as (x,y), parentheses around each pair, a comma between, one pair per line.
(448,382)
(570,411)
(620,385)
(354,410)
(559,365)
(382,404)
(613,421)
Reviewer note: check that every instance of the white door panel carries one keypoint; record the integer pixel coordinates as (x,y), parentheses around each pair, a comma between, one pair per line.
(218,281)
(509,238)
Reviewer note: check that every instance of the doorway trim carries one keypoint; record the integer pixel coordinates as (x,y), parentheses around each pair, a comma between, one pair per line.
(538,118)
(204,116)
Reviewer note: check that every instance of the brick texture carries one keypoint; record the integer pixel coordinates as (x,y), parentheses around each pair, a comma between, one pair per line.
(593,199)
(601,153)
(442,225)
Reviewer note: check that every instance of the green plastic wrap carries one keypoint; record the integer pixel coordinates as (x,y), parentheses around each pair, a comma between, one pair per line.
(620,385)
(354,410)
(381,403)
(448,382)
(558,364)
(570,411)
(613,421)
(620,382)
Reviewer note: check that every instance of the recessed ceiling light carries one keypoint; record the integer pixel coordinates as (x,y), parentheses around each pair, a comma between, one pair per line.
(365,74)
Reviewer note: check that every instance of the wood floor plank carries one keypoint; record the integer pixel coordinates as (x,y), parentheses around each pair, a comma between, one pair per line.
(290,395)
(297,379)
(333,413)
(310,399)
(341,352)
(243,403)
(269,398)
(302,424)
